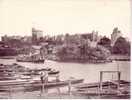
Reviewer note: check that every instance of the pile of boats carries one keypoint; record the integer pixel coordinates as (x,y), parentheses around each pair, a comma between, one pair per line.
(17,77)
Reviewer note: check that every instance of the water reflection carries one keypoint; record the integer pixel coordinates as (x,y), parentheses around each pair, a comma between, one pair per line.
(52,91)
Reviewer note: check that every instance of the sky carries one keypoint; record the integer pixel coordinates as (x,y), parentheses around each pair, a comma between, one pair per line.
(17,17)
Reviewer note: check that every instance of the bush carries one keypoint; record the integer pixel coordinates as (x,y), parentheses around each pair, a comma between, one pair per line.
(83,53)
(7,52)
(121,46)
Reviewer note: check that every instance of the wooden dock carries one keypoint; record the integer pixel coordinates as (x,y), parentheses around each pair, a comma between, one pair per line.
(108,88)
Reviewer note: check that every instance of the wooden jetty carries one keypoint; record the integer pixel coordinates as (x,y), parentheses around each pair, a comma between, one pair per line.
(115,87)
(108,88)
(106,83)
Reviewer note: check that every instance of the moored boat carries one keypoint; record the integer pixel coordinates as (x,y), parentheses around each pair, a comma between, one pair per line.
(16,76)
(33,84)
(37,71)
(30,58)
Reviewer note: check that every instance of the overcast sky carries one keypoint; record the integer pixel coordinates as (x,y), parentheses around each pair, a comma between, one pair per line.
(17,17)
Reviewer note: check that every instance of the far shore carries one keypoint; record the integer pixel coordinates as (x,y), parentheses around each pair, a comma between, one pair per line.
(115,57)
(7,57)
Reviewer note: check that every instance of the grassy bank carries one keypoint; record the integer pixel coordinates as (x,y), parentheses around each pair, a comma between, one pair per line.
(120,57)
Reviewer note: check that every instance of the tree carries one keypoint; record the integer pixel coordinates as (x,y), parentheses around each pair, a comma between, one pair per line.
(106,42)
(99,53)
(121,46)
(14,43)
(115,30)
(61,53)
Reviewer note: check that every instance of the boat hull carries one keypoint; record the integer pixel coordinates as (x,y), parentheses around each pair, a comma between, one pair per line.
(31,85)
(35,61)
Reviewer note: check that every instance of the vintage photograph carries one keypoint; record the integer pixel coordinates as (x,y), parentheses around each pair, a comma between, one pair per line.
(65,49)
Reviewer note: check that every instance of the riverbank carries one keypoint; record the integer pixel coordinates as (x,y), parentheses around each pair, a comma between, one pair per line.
(54,58)
(120,57)
(7,57)
(108,60)
(84,61)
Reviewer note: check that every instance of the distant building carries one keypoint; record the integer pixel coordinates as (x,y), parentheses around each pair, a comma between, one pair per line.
(89,39)
(59,38)
(72,39)
(94,36)
(93,44)
(2,44)
(36,35)
(6,38)
(91,36)
(115,35)
(27,39)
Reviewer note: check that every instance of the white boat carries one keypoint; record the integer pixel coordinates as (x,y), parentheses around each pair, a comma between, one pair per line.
(30,58)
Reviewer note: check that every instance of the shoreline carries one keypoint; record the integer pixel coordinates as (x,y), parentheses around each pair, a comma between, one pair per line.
(110,59)
(113,57)
(7,57)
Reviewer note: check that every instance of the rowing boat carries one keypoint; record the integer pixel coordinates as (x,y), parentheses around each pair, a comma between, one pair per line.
(96,84)
(33,84)
(37,72)
(30,58)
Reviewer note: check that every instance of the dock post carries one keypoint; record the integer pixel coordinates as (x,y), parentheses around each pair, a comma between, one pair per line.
(69,87)
(57,77)
(10,91)
(42,87)
(101,75)
(119,76)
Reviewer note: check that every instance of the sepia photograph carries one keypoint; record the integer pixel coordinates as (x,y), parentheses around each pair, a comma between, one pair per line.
(65,49)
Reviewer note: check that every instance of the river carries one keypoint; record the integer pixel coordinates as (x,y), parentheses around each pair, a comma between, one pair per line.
(89,72)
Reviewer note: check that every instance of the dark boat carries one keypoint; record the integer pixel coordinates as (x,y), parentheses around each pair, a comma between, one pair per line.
(44,69)
(37,71)
(34,61)
(53,72)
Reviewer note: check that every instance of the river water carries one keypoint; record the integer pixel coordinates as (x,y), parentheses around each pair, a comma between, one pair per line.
(89,72)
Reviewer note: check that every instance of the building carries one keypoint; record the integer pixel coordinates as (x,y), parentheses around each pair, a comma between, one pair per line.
(72,39)
(36,35)
(89,39)
(6,38)
(115,35)
(27,39)
(94,36)
(91,36)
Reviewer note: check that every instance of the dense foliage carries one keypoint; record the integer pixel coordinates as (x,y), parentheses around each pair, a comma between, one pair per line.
(83,52)
(7,52)
(121,46)
(106,42)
